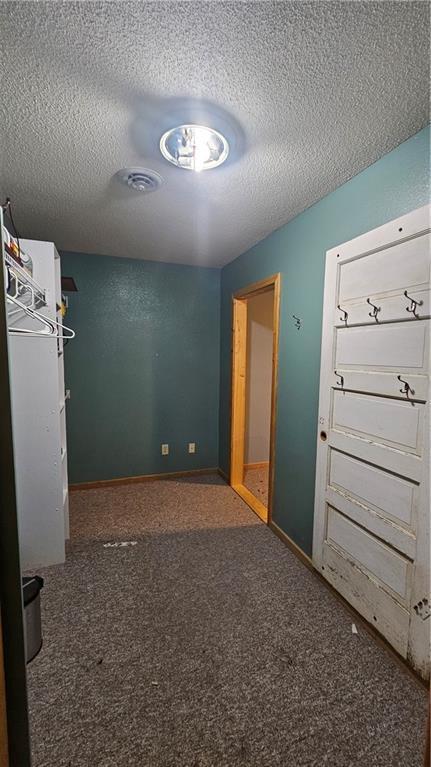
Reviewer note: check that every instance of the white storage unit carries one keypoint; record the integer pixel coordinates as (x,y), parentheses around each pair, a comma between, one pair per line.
(39,423)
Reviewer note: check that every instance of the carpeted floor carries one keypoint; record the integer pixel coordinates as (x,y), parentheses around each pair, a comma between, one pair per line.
(257,481)
(206,644)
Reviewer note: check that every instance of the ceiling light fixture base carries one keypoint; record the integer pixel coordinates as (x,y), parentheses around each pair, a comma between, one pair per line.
(194,147)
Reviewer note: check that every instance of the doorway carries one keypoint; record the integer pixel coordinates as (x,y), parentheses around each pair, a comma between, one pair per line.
(255,333)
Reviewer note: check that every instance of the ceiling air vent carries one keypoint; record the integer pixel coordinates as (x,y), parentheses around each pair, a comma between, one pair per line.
(140,179)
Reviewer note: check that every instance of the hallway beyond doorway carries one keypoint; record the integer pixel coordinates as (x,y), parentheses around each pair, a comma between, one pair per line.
(256,479)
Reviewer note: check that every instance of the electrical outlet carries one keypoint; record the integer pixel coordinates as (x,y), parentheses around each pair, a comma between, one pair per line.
(192,447)
(165,449)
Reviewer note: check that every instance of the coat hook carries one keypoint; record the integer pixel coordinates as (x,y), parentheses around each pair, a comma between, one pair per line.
(406,388)
(343,319)
(341,381)
(298,322)
(376,310)
(413,304)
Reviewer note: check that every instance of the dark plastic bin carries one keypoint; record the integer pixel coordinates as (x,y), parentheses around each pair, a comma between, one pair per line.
(31,587)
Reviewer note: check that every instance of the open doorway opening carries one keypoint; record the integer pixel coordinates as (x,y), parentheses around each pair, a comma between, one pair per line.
(254,384)
(258,385)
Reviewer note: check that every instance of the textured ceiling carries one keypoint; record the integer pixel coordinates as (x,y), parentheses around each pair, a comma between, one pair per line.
(308,93)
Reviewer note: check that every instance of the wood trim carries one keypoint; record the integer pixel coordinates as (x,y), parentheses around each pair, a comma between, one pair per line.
(238,399)
(257,287)
(257,465)
(4,758)
(274,391)
(412,224)
(305,559)
(251,501)
(141,478)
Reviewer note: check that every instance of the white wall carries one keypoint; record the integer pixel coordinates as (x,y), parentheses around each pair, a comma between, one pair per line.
(259,375)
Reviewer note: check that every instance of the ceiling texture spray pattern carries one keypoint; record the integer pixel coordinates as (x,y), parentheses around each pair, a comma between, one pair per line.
(307,94)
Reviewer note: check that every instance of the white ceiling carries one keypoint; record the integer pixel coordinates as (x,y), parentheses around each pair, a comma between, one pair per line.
(308,93)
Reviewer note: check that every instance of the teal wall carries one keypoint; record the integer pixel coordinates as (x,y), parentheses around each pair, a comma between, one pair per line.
(151,362)
(143,368)
(394,185)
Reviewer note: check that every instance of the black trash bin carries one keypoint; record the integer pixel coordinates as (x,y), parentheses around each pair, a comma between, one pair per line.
(31,587)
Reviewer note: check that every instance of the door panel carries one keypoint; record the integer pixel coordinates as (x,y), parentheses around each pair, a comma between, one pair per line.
(391,308)
(405,464)
(382,527)
(398,346)
(403,265)
(387,494)
(388,421)
(371,525)
(373,556)
(385,384)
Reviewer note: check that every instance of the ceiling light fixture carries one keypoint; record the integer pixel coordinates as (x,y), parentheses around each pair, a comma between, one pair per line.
(194,147)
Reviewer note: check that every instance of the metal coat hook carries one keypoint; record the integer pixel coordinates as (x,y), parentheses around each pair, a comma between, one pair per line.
(298,322)
(341,381)
(413,304)
(376,310)
(343,319)
(406,388)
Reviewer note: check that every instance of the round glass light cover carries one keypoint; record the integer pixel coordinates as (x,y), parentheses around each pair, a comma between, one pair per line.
(194,147)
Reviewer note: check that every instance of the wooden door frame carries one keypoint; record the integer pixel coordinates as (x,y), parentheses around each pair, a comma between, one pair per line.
(239,384)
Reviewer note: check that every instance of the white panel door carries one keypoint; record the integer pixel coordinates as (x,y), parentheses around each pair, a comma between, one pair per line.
(372,508)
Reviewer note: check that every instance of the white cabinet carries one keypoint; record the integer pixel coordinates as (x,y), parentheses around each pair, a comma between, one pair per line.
(39,424)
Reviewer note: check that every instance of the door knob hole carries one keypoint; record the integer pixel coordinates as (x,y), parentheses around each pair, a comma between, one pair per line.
(323,436)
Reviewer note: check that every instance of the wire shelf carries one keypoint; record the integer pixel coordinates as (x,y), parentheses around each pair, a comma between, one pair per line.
(24,299)
(25,280)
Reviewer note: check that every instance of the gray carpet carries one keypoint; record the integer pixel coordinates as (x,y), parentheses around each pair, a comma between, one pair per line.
(207,644)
